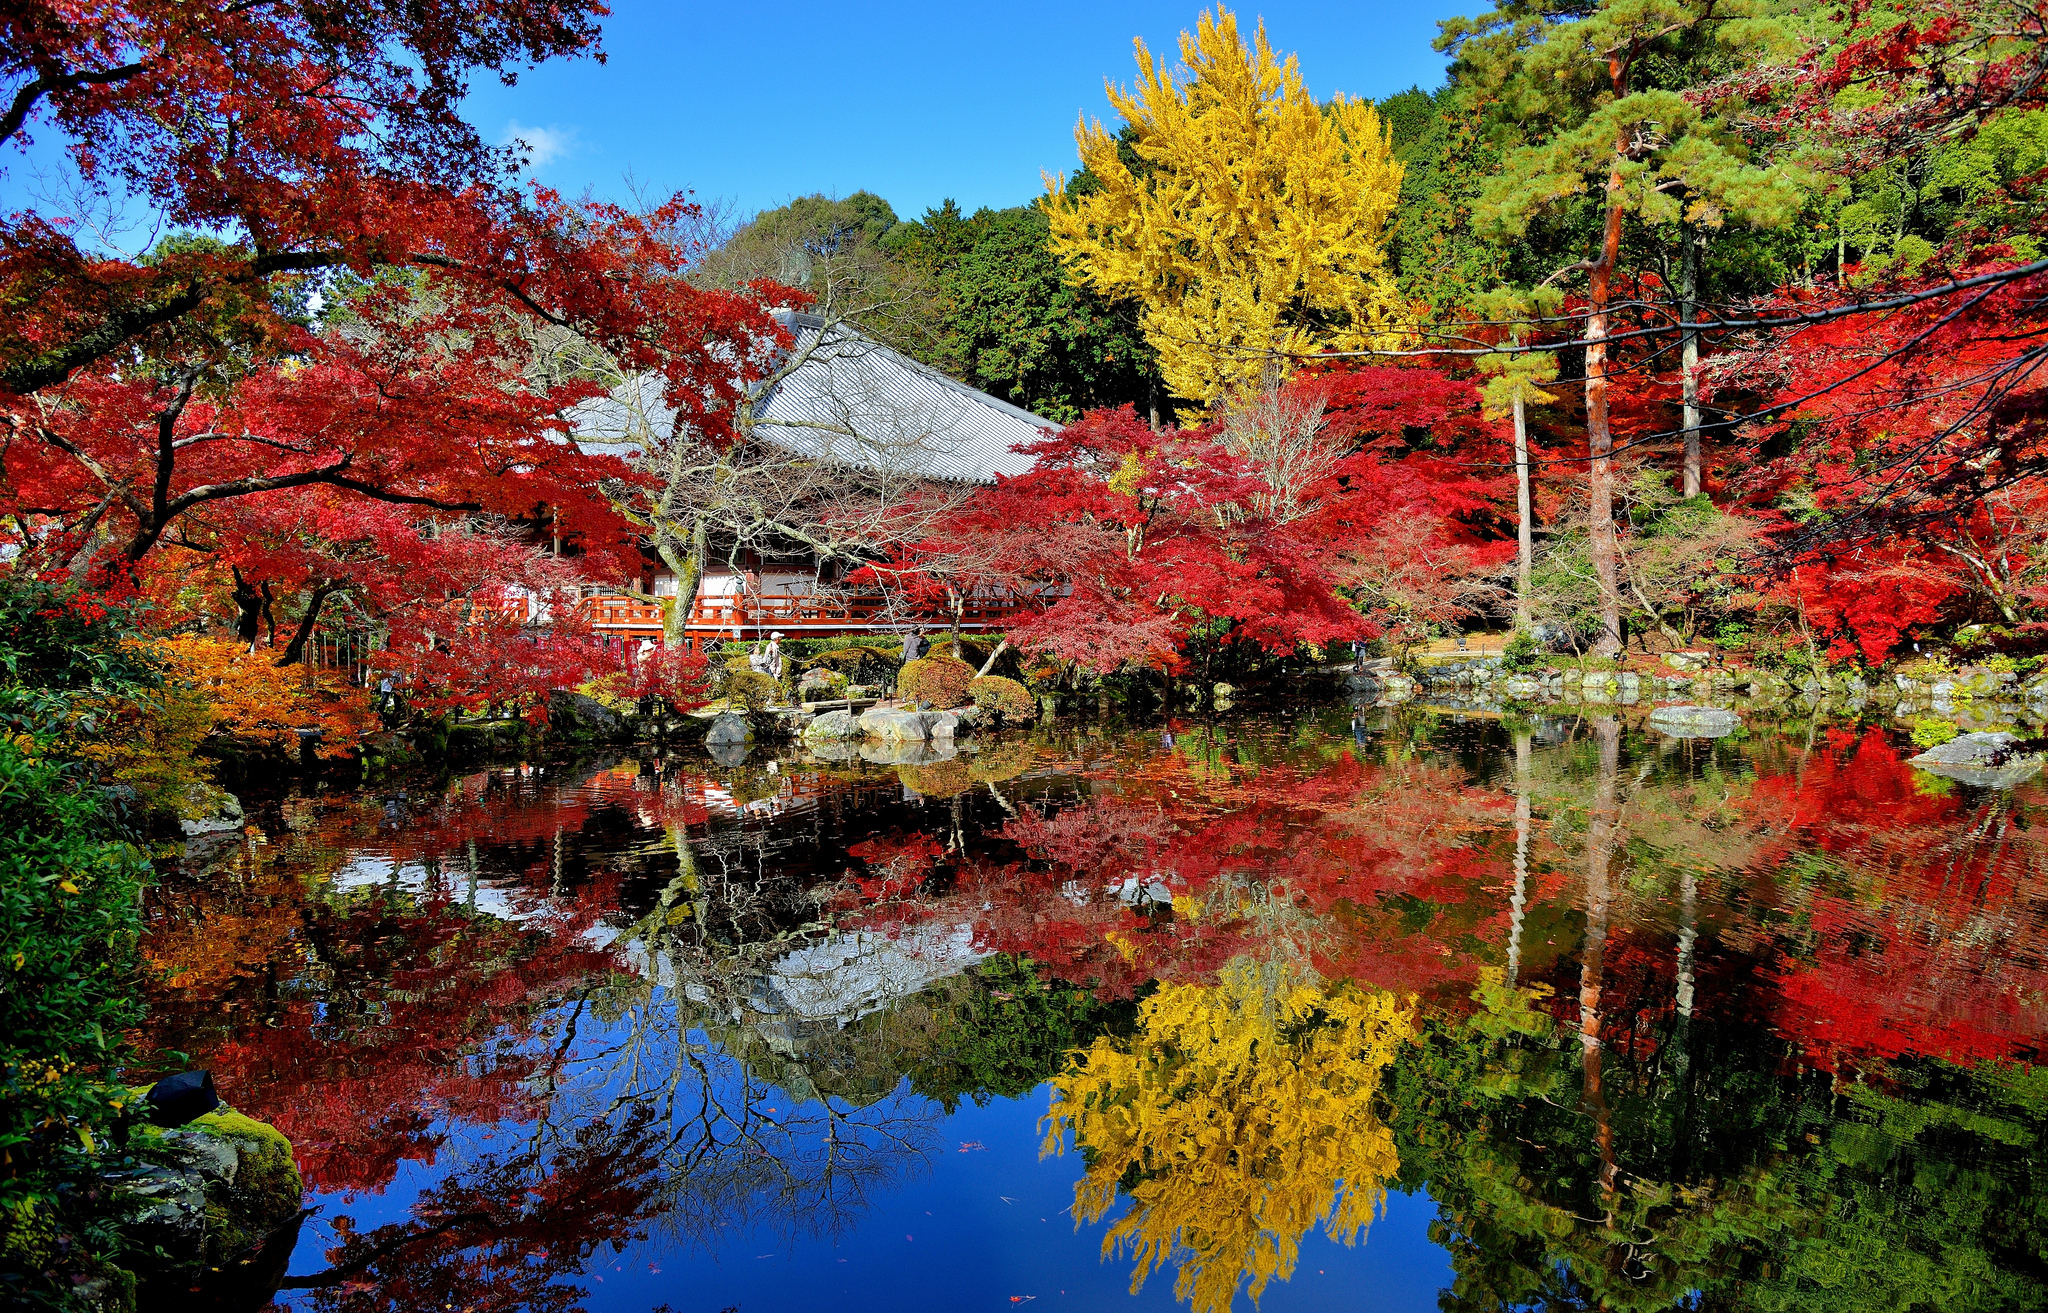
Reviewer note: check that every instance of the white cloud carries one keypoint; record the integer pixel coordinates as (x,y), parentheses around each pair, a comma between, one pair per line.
(541,146)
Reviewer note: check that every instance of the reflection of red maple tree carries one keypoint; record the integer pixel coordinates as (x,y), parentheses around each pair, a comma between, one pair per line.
(1922,934)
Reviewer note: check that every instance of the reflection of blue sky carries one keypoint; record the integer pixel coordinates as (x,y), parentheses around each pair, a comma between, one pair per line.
(974,1219)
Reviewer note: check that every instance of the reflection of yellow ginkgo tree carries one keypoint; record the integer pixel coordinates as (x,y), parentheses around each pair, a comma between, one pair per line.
(1238,1116)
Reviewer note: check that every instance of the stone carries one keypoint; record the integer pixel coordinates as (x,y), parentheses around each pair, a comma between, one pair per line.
(578,716)
(942,725)
(1395,689)
(1521,687)
(832,727)
(219,810)
(820,680)
(1986,760)
(1362,683)
(212,1206)
(899,724)
(1686,721)
(730,728)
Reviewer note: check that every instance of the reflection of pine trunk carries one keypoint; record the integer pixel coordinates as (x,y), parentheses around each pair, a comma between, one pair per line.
(1688,931)
(1600,841)
(1522,827)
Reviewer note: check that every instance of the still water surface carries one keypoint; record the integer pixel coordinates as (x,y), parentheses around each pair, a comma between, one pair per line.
(1378,1010)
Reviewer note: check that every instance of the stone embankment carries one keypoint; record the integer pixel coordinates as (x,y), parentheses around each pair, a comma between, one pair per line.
(1971,698)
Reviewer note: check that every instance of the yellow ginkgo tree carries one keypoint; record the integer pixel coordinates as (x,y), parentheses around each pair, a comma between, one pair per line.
(1254,222)
(1239,1115)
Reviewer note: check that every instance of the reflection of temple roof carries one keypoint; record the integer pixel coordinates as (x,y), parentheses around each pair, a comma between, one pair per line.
(848,976)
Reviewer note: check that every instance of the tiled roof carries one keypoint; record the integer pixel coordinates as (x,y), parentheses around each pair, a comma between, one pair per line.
(855,401)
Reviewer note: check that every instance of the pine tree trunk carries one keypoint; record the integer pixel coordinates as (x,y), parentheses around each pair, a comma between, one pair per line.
(1525,559)
(1599,436)
(1689,356)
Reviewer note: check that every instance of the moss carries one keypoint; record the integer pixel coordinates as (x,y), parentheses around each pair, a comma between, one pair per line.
(267,1188)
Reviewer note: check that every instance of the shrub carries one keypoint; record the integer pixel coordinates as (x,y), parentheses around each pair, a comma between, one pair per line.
(1522,651)
(1929,732)
(69,922)
(1003,697)
(935,681)
(751,689)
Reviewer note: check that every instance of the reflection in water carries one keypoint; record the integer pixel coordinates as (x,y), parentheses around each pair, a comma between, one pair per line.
(1239,1115)
(1743,1023)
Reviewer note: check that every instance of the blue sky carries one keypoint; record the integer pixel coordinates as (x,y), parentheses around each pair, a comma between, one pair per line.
(756,103)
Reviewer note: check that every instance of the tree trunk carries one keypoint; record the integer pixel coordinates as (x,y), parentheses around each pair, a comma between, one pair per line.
(1525,542)
(1689,355)
(1599,437)
(306,622)
(990,664)
(688,568)
(248,608)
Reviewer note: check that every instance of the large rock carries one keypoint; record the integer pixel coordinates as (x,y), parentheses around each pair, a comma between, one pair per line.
(578,716)
(1395,689)
(1690,722)
(898,724)
(1988,761)
(213,1206)
(832,727)
(219,810)
(728,730)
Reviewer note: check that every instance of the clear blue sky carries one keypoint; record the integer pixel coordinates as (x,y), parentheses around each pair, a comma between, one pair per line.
(759,102)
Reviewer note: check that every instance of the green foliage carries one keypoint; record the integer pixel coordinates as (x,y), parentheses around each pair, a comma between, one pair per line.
(1932,732)
(1003,697)
(69,923)
(1015,325)
(1011,1033)
(935,681)
(1521,652)
(751,689)
(63,655)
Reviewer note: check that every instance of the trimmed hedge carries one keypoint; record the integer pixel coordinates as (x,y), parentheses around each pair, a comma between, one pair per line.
(939,682)
(751,689)
(1004,697)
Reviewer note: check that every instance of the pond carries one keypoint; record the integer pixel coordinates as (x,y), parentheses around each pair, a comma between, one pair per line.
(1379,1008)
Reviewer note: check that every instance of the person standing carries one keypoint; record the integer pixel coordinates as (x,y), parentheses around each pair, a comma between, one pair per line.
(913,647)
(773,664)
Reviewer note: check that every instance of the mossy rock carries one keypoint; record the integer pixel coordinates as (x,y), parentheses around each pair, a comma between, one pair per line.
(219,1200)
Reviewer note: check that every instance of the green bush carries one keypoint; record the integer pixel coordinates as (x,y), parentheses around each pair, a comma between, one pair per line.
(751,689)
(935,681)
(69,924)
(1929,732)
(1003,697)
(1521,651)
